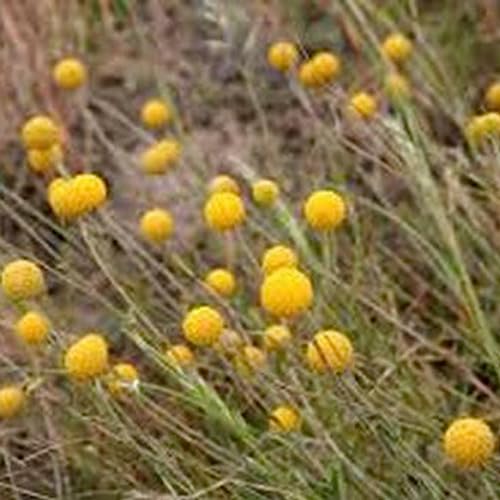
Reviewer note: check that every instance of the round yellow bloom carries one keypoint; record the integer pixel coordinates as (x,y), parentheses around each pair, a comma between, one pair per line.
(329,351)
(223,184)
(44,160)
(229,343)
(324,210)
(397,86)
(70,73)
(483,127)
(276,337)
(22,279)
(265,192)
(277,257)
(492,97)
(221,281)
(12,399)
(156,225)
(203,326)
(40,132)
(155,113)
(397,47)
(160,156)
(308,76)
(123,377)
(325,66)
(224,211)
(250,360)
(282,55)
(286,292)
(469,442)
(285,419)
(87,358)
(33,328)
(180,356)
(363,105)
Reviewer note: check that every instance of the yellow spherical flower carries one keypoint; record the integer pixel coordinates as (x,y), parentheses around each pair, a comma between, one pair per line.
(224,211)
(160,156)
(397,86)
(469,442)
(70,73)
(250,360)
(329,351)
(40,132)
(285,419)
(265,192)
(221,281)
(483,127)
(180,356)
(156,225)
(155,113)
(123,377)
(58,197)
(285,293)
(363,105)
(324,210)
(223,184)
(203,326)
(325,66)
(22,279)
(33,328)
(276,337)
(397,47)
(229,343)
(492,97)
(277,257)
(308,76)
(44,160)
(87,358)
(282,55)
(12,399)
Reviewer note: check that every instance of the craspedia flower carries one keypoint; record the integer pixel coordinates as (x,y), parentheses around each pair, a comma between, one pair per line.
(329,351)
(40,132)
(224,211)
(492,97)
(397,47)
(180,356)
(155,113)
(12,399)
(160,156)
(277,257)
(325,66)
(203,326)
(221,281)
(284,419)
(250,360)
(123,377)
(285,293)
(469,442)
(308,76)
(57,196)
(397,86)
(87,358)
(282,55)
(276,337)
(69,73)
(223,184)
(156,225)
(363,105)
(44,160)
(265,192)
(324,210)
(483,127)
(33,328)
(229,343)
(22,279)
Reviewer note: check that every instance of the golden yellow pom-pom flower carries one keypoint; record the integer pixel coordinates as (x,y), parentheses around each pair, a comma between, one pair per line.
(22,279)
(224,211)
(324,210)
(282,55)
(469,442)
(155,113)
(221,281)
(123,377)
(229,343)
(203,326)
(44,160)
(492,97)
(308,76)
(12,399)
(397,47)
(250,360)
(329,351)
(265,192)
(160,156)
(223,184)
(285,419)
(325,66)
(87,358)
(70,73)
(276,337)
(277,257)
(483,127)
(180,356)
(363,105)
(33,328)
(156,225)
(397,86)
(286,292)
(40,132)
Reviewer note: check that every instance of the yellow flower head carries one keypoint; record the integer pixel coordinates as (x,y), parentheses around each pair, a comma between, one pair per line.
(223,184)
(44,160)
(229,343)
(22,279)
(160,156)
(224,211)
(363,105)
(33,328)
(285,419)
(70,73)
(123,377)
(12,399)
(250,360)
(397,48)
(285,293)
(277,257)
(40,132)
(397,86)
(308,76)
(265,192)
(282,55)
(483,127)
(329,351)
(325,66)
(469,442)
(87,358)
(492,97)
(324,210)
(276,337)
(156,225)
(180,356)
(155,113)
(203,326)
(221,281)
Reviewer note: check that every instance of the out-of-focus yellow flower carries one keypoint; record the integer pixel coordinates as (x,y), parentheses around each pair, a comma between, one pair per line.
(250,360)
(229,343)
(12,399)
(155,113)
(276,337)
(326,67)
(203,326)
(122,378)
(70,73)
(277,257)
(492,97)
(397,86)
(330,351)
(307,75)
(44,160)
(224,211)
(87,358)
(223,184)
(285,419)
(156,225)
(282,55)
(160,156)
(221,281)
(265,192)
(397,48)
(180,356)
(33,328)
(483,127)
(22,279)
(324,210)
(363,105)
(40,132)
